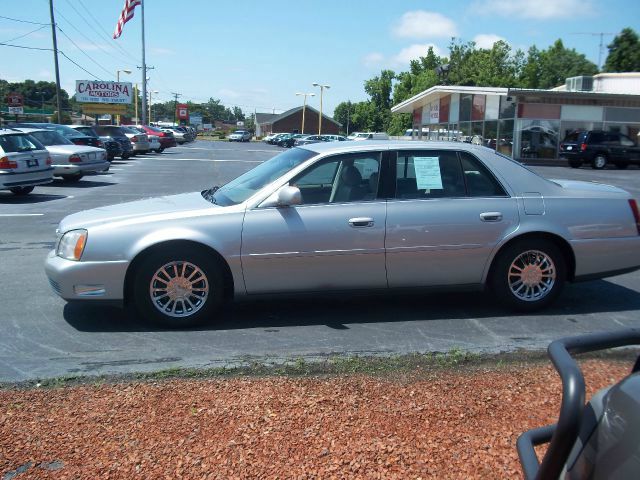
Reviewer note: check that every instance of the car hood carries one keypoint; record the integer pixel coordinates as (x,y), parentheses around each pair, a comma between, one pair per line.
(594,188)
(148,209)
(71,149)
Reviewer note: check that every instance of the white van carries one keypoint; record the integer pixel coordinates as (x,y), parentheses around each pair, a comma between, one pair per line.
(368,136)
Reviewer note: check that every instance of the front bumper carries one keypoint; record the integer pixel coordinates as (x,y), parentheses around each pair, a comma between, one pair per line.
(86,280)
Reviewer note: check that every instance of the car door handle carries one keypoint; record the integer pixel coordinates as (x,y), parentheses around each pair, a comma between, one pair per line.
(491,216)
(361,222)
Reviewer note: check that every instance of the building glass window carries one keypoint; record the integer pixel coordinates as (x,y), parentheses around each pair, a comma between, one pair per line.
(505,137)
(507,107)
(537,138)
(478,107)
(465,132)
(490,134)
(465,107)
(477,133)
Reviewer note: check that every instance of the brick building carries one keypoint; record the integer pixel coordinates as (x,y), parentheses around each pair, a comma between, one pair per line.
(291,122)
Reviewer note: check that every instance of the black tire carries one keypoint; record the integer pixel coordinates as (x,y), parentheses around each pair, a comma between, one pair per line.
(188,258)
(621,165)
(575,163)
(599,161)
(125,156)
(72,178)
(525,253)
(21,190)
(160,150)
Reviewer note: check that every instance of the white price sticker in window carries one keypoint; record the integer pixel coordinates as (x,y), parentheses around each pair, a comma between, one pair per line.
(428,175)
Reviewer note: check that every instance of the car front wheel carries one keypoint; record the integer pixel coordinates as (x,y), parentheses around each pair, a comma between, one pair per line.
(528,275)
(178,289)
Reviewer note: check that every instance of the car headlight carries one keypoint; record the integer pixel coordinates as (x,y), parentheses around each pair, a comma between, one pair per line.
(72,244)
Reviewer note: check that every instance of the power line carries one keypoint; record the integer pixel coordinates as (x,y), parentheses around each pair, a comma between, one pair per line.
(26,48)
(107,34)
(79,66)
(89,40)
(84,53)
(24,21)
(26,34)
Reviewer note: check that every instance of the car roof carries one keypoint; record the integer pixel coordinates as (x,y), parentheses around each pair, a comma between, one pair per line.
(346,147)
(31,130)
(10,131)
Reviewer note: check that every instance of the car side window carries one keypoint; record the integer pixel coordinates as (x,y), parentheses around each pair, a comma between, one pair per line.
(342,178)
(429,174)
(479,181)
(626,141)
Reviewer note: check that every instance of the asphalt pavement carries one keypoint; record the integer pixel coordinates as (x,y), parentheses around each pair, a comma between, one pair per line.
(43,337)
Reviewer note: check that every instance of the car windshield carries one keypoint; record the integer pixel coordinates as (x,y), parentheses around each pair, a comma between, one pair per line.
(18,143)
(50,137)
(243,187)
(239,132)
(362,135)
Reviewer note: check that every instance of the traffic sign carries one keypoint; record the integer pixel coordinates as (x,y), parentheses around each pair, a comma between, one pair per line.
(15,99)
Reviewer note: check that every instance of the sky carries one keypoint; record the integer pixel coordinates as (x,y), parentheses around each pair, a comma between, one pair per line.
(257,55)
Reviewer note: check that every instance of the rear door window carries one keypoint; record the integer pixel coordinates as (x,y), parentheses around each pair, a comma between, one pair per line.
(19,143)
(429,174)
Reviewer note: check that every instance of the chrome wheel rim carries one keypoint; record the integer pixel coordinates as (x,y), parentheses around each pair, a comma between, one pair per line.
(179,289)
(531,276)
(600,162)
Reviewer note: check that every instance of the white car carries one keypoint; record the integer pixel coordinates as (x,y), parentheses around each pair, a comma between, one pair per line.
(24,162)
(70,161)
(154,143)
(368,136)
(240,136)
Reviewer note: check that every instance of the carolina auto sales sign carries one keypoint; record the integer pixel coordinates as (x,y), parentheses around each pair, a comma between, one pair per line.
(88,91)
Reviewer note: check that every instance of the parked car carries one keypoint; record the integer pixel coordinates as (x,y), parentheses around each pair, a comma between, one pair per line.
(334,138)
(70,161)
(75,136)
(167,140)
(116,133)
(276,137)
(139,141)
(338,216)
(24,162)
(310,139)
(269,137)
(154,144)
(595,441)
(598,148)
(368,136)
(179,135)
(240,136)
(289,141)
(113,148)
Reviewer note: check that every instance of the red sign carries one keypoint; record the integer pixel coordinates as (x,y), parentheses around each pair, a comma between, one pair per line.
(182,111)
(15,99)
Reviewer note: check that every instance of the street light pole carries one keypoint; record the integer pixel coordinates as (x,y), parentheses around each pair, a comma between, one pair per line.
(322,87)
(304,107)
(150,93)
(118,80)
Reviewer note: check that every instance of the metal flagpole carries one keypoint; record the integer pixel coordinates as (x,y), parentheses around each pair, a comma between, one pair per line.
(144,71)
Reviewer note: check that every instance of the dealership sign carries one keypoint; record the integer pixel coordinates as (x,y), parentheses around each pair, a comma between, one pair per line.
(88,91)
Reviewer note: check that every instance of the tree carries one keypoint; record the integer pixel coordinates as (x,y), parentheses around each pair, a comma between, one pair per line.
(624,53)
(558,63)
(342,114)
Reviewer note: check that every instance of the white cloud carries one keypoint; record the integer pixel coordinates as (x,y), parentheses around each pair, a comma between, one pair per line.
(486,40)
(538,10)
(422,24)
(373,59)
(413,52)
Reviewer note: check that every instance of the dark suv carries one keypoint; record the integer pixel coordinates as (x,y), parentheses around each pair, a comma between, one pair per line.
(598,148)
(118,134)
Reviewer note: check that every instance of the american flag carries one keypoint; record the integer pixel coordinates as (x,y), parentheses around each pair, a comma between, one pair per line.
(126,15)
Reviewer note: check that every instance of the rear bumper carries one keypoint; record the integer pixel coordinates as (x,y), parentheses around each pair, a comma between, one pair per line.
(600,258)
(141,147)
(73,169)
(26,179)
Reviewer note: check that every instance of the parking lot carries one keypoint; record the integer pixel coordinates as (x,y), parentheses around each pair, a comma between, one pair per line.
(44,337)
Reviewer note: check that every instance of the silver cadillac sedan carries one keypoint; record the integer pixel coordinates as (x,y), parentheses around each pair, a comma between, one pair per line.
(344,216)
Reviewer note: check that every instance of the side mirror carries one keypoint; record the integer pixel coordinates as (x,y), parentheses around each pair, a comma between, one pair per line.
(285,197)
(288,196)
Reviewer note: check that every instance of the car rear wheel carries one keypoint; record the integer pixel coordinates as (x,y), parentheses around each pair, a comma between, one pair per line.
(599,161)
(528,275)
(21,190)
(72,178)
(178,289)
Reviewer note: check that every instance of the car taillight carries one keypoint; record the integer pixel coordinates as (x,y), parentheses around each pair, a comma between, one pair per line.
(49,161)
(7,164)
(100,144)
(75,159)
(583,147)
(135,138)
(636,213)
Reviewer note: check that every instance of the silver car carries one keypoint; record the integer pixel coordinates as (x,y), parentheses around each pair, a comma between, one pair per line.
(70,161)
(139,141)
(338,216)
(24,162)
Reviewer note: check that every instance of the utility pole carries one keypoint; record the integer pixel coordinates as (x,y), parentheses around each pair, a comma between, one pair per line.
(55,58)
(145,79)
(175,105)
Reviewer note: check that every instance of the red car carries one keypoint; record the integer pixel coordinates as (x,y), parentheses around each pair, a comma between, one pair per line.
(166,138)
